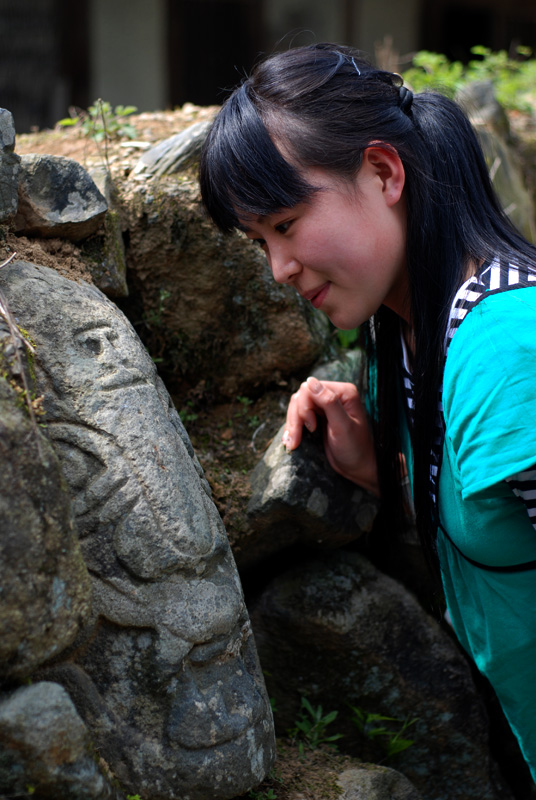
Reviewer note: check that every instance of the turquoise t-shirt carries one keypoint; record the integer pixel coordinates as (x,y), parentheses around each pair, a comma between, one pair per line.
(489,406)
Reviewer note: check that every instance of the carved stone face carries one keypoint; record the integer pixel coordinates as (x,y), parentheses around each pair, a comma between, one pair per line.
(167,676)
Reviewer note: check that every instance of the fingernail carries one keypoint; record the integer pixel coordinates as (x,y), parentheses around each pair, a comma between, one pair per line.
(314,385)
(287,441)
(309,426)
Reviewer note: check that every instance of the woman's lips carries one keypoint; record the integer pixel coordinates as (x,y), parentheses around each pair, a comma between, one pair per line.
(318,298)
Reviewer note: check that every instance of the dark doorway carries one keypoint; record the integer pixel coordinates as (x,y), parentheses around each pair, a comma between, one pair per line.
(211,45)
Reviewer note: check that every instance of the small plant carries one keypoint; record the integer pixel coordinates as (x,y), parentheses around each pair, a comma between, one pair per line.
(347,339)
(154,317)
(311,727)
(101,122)
(188,414)
(268,794)
(431,71)
(245,402)
(391,736)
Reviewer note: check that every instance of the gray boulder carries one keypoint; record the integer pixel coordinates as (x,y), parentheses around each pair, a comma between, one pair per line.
(9,167)
(104,252)
(509,181)
(339,632)
(165,675)
(479,101)
(174,153)
(491,124)
(45,593)
(372,782)
(57,198)
(45,748)
(298,497)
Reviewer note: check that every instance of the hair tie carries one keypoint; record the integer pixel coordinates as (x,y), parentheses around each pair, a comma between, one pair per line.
(406,99)
(356,67)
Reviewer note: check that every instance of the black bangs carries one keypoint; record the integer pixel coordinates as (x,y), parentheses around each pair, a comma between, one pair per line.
(242,171)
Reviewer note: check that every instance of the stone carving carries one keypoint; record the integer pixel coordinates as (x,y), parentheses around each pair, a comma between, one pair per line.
(166,675)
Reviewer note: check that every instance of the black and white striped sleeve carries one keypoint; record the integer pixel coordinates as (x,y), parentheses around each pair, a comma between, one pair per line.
(523,485)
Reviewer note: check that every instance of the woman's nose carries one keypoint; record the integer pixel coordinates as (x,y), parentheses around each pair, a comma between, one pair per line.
(283,265)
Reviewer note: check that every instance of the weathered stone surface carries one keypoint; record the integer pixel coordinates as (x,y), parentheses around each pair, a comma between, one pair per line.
(210,306)
(166,676)
(45,748)
(341,633)
(104,253)
(174,153)
(45,590)
(509,182)
(492,127)
(480,103)
(104,256)
(298,497)
(372,782)
(9,167)
(57,198)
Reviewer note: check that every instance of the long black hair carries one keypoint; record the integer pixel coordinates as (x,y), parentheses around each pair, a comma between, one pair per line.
(325,104)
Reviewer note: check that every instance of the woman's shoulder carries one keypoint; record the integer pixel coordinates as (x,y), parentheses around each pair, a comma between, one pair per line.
(489,387)
(498,321)
(493,346)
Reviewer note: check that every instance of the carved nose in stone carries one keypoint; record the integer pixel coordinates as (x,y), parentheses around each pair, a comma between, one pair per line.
(215,704)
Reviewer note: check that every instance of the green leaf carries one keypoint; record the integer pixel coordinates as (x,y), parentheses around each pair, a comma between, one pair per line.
(330,717)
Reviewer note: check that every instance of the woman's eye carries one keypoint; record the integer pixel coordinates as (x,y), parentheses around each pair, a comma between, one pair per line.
(282,227)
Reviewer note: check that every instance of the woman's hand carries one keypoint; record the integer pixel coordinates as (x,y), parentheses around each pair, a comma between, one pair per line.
(347,438)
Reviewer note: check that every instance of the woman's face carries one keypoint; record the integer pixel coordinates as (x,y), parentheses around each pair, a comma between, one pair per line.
(344,250)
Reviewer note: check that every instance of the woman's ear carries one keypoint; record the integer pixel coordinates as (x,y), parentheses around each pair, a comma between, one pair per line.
(383,162)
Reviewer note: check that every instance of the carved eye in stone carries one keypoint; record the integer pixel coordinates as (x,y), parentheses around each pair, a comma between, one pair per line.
(93,344)
(96,340)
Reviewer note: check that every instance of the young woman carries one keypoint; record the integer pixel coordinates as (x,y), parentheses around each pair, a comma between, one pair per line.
(376,204)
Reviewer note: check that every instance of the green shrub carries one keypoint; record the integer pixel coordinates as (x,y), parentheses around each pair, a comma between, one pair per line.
(514,79)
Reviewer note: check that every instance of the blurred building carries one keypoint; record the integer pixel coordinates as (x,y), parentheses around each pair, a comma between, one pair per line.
(161,53)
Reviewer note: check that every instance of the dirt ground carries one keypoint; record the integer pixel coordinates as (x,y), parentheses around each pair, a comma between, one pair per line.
(305,775)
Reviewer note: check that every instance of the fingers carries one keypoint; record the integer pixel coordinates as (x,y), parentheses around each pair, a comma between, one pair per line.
(338,402)
(348,441)
(301,412)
